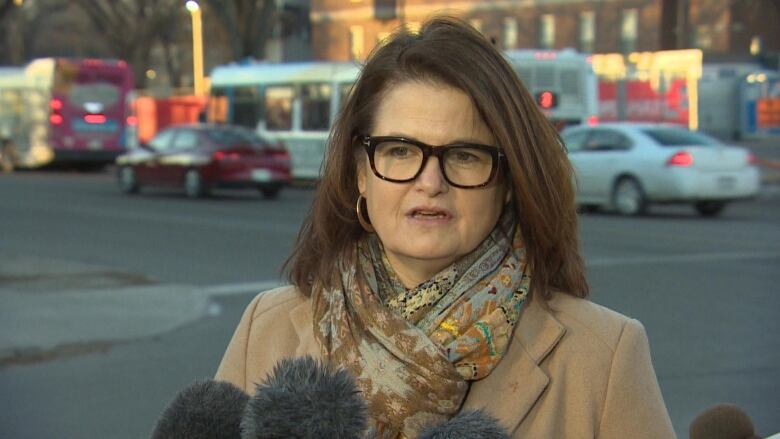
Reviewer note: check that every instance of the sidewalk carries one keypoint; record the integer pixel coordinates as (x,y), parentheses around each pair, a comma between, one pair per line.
(51,307)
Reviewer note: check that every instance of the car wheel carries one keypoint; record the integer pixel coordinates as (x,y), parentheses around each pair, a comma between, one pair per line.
(628,198)
(709,208)
(193,184)
(128,182)
(270,192)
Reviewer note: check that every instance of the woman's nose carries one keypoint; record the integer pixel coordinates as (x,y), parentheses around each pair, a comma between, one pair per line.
(431,181)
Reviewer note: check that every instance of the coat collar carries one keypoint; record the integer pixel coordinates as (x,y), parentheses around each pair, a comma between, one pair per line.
(517,378)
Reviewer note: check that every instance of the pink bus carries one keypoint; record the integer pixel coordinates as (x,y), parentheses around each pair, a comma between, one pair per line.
(69,111)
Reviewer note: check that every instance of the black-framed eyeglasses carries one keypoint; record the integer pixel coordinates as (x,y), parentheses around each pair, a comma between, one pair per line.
(400,160)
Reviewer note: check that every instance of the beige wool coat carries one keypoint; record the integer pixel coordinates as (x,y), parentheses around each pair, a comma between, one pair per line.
(575,370)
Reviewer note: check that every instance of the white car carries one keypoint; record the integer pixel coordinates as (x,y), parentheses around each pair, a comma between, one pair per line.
(629,166)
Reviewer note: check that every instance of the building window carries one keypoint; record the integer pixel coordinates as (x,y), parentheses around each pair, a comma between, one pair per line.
(703,37)
(587,31)
(476,23)
(628,30)
(356,42)
(547,31)
(510,33)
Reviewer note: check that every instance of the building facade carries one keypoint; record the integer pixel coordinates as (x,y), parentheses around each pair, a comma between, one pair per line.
(350,29)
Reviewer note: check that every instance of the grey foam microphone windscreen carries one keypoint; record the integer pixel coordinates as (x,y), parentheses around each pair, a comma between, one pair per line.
(305,399)
(207,409)
(468,424)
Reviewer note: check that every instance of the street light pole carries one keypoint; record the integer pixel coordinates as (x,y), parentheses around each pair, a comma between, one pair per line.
(197,46)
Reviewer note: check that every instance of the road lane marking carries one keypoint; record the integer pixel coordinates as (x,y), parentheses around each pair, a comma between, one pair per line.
(679,258)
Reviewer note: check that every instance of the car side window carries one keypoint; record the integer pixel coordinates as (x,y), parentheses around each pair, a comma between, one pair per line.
(185,139)
(574,141)
(162,141)
(607,140)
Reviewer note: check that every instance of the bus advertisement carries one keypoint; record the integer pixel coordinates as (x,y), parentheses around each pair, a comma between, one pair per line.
(67,111)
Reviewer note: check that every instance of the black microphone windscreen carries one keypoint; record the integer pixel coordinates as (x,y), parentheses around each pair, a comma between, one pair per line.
(303,398)
(468,424)
(205,409)
(723,421)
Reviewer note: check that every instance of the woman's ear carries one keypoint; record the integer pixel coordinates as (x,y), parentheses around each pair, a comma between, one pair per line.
(361,176)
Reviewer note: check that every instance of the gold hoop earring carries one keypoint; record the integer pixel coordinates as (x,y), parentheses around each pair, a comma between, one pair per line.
(366,224)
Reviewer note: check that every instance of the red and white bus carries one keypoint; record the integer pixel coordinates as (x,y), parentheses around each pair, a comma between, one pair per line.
(562,82)
(72,111)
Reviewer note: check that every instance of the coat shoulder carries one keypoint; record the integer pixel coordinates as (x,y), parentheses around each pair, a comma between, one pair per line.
(278,300)
(590,319)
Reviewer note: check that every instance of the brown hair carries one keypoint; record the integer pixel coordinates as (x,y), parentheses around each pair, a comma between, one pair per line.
(449,51)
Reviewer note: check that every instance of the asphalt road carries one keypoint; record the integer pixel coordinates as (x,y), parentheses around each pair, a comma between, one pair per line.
(705,289)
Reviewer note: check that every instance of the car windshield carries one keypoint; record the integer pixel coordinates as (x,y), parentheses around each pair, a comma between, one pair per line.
(679,137)
(228,137)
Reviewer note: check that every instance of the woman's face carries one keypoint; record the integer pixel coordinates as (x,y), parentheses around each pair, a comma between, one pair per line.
(418,244)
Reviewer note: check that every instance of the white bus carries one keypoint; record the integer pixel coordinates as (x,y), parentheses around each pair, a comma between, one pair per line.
(562,82)
(294,103)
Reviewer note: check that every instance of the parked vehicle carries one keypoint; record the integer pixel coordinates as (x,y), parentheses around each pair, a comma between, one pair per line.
(200,157)
(67,111)
(630,166)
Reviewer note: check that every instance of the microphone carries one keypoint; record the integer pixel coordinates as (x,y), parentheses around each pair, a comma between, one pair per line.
(205,409)
(305,399)
(723,421)
(468,424)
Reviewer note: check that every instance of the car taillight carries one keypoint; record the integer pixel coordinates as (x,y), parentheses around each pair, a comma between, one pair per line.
(593,120)
(55,119)
(222,155)
(132,120)
(681,158)
(752,160)
(55,104)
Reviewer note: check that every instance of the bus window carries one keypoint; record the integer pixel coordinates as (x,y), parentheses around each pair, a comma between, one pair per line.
(246,105)
(316,107)
(278,108)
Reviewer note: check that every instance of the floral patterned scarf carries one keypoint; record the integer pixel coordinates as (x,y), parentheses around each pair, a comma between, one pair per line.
(413,352)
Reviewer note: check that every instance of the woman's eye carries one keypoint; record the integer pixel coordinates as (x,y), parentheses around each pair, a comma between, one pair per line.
(399,151)
(463,156)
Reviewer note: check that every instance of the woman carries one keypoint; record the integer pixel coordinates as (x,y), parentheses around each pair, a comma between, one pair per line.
(440,265)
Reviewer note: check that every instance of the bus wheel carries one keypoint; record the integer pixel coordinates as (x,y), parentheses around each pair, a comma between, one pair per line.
(127,180)
(193,184)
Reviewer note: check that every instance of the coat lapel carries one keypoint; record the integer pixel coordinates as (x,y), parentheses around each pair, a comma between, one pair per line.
(513,388)
(302,318)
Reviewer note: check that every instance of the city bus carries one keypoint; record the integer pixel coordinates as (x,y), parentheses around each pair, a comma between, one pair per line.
(67,111)
(292,103)
(561,81)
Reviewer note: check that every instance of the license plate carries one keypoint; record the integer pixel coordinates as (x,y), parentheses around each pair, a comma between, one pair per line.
(727,183)
(95,144)
(261,175)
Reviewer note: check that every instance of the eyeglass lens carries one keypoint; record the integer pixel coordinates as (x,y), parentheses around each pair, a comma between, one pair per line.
(467,166)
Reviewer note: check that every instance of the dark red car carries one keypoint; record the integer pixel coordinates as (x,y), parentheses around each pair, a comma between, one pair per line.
(203,156)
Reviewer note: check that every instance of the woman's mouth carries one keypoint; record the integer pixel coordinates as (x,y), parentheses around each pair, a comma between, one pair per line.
(429,214)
